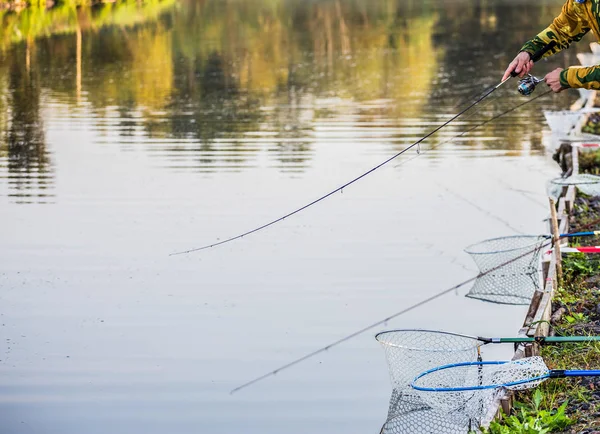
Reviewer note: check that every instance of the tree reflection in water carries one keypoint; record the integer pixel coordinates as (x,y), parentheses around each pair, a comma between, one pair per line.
(215,83)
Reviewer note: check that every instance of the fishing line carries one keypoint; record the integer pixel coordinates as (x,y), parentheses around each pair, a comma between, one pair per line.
(432,147)
(403,311)
(525,193)
(467,99)
(383,321)
(482,210)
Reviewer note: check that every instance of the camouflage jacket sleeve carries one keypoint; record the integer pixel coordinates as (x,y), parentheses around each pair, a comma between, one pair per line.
(571,25)
(580,76)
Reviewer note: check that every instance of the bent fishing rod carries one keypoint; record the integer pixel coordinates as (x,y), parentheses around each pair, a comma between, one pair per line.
(403,311)
(526,87)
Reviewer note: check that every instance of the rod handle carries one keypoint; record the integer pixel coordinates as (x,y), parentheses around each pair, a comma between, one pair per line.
(578,373)
(561,339)
(542,339)
(538,54)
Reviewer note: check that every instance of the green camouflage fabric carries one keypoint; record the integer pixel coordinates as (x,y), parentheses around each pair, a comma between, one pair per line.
(574,21)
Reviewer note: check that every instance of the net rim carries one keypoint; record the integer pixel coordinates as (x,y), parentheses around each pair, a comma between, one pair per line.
(591,179)
(472,388)
(513,300)
(478,341)
(537,238)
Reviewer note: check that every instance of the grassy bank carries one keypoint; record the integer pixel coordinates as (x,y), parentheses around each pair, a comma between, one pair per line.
(568,405)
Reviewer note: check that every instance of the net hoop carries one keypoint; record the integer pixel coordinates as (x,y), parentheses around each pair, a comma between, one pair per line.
(509,269)
(510,384)
(436,349)
(586,183)
(534,239)
(581,179)
(489,296)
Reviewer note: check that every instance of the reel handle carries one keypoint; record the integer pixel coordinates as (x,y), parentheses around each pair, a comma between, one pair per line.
(538,54)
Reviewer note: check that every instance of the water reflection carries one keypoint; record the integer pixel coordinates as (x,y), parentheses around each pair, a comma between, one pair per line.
(212,85)
(23,154)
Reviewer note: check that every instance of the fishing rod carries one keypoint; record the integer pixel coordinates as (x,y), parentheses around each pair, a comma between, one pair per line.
(535,57)
(397,314)
(381,337)
(577,234)
(582,249)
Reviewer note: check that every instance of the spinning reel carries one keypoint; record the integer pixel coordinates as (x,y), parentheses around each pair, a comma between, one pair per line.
(527,84)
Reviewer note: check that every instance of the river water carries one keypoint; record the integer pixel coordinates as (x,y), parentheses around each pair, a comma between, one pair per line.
(124,140)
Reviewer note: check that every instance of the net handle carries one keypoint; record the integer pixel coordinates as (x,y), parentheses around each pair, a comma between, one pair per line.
(487,340)
(483,386)
(543,339)
(559,373)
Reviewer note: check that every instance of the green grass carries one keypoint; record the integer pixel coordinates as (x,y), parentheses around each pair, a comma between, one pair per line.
(532,418)
(589,162)
(557,404)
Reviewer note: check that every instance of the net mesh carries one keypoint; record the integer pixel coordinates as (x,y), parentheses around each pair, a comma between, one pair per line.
(512,283)
(586,183)
(522,370)
(476,402)
(563,121)
(415,417)
(410,352)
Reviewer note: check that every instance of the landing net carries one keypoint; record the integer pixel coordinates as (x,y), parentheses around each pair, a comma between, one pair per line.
(585,183)
(512,283)
(470,387)
(410,352)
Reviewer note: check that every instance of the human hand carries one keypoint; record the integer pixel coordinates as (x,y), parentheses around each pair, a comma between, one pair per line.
(521,64)
(552,79)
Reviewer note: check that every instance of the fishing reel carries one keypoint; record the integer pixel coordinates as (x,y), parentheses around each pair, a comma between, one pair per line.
(527,84)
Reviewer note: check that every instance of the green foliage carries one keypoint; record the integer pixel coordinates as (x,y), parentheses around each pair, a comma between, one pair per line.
(575,318)
(592,124)
(564,297)
(532,419)
(589,162)
(578,265)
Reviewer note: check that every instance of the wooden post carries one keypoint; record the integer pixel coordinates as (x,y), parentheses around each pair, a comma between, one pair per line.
(556,238)
(545,272)
(575,160)
(506,404)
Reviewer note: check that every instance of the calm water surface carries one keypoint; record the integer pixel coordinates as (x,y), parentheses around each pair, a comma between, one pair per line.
(125,139)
